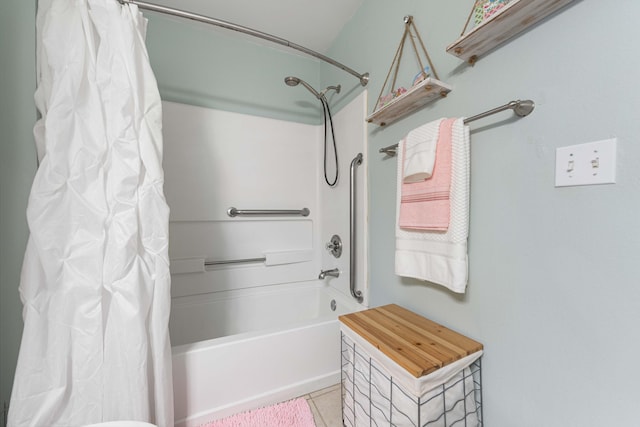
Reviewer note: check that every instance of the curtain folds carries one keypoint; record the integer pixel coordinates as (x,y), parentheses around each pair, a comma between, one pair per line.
(95,280)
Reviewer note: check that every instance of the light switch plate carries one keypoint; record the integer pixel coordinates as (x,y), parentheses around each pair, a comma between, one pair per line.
(586,164)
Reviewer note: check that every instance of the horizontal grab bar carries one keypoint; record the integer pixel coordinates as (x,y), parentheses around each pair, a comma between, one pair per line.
(270,258)
(235,261)
(262,212)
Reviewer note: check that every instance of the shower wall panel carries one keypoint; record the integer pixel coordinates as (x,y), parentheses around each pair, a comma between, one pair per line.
(351,139)
(214,160)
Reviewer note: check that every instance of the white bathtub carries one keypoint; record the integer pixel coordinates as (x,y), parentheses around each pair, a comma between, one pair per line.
(285,342)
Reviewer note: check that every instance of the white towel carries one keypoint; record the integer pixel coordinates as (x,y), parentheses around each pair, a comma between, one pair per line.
(440,257)
(420,152)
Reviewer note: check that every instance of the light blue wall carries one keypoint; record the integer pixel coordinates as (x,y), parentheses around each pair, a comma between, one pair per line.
(211,67)
(554,272)
(17,166)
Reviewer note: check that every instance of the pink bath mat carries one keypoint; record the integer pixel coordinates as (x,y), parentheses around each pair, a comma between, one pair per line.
(294,413)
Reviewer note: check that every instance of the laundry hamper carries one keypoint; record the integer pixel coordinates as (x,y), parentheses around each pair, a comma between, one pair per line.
(401,369)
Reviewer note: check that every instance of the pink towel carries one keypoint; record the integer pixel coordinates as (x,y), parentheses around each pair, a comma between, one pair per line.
(426,205)
(439,256)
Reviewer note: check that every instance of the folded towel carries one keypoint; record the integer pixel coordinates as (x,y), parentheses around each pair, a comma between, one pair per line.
(440,257)
(425,205)
(420,152)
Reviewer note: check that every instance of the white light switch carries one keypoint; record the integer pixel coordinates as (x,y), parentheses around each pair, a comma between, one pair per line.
(586,164)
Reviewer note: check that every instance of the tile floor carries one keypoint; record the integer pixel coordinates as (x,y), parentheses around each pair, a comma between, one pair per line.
(326,406)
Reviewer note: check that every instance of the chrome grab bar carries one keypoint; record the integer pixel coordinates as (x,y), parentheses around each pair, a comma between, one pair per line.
(234,261)
(352,229)
(232,212)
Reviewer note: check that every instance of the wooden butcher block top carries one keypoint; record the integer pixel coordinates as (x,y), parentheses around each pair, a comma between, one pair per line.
(417,344)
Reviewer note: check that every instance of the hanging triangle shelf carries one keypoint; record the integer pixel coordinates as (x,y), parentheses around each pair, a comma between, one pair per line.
(426,87)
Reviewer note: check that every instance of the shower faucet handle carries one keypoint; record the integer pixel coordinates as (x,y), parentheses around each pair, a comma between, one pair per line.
(335,246)
(332,245)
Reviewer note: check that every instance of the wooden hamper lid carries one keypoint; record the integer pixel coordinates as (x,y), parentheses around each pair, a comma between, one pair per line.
(417,344)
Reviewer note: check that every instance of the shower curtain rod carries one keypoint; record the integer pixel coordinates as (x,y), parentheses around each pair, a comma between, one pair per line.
(364,78)
(520,108)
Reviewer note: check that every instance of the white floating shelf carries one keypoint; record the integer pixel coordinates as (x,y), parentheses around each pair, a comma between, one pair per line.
(419,95)
(515,17)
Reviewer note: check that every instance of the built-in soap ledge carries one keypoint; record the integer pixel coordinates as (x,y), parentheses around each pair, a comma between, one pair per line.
(288,257)
(199,265)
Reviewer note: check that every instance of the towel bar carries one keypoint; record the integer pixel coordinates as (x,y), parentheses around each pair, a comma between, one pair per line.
(520,108)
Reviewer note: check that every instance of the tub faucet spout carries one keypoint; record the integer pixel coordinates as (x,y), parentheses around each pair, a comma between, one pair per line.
(333,273)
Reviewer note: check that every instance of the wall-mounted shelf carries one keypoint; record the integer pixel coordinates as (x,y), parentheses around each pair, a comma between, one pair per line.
(514,18)
(421,94)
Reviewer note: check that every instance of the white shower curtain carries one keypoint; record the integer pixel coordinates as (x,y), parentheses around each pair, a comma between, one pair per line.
(95,280)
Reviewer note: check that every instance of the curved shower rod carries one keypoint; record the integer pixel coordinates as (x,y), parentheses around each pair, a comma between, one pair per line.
(364,78)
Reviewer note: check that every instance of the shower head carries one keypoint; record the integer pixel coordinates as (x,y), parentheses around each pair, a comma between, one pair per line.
(294,81)
(291,81)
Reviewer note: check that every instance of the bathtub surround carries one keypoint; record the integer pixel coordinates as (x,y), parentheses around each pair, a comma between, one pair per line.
(281,311)
(95,279)
(296,358)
